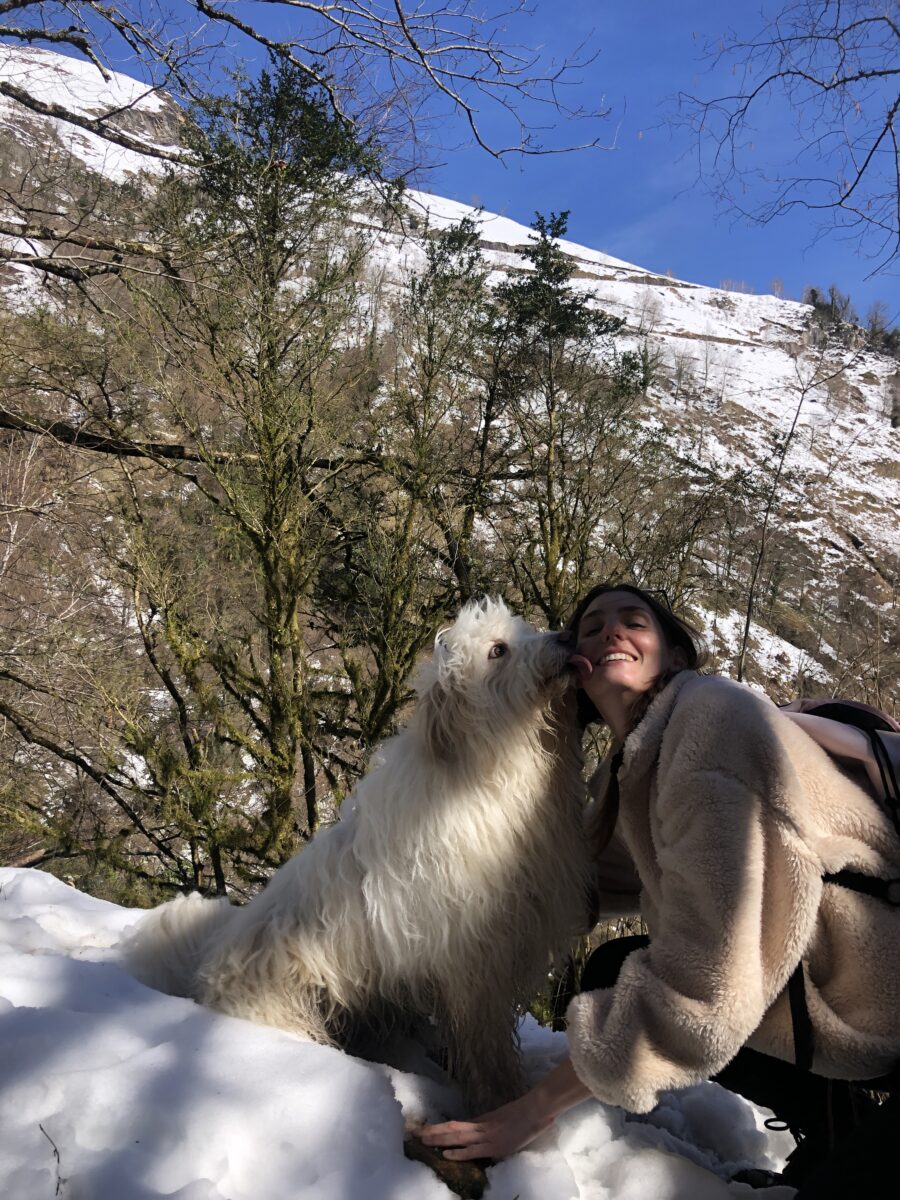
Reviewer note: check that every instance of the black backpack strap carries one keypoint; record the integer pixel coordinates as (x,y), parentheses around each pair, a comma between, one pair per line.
(803,1033)
(888,776)
(887,890)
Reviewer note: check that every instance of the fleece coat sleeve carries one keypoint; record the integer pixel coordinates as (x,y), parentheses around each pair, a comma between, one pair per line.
(733,893)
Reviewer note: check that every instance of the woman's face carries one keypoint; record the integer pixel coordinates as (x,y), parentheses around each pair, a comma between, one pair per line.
(625,646)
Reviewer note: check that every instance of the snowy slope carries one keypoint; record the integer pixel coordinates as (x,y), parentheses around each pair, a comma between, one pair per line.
(110,1091)
(732,370)
(55,80)
(78,86)
(749,356)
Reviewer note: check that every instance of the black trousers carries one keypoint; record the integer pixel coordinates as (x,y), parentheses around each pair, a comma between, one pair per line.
(846,1141)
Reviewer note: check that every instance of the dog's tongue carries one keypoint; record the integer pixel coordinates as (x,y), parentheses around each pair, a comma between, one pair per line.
(581,665)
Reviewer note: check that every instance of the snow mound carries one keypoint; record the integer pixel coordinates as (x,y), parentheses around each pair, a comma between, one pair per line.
(112,1091)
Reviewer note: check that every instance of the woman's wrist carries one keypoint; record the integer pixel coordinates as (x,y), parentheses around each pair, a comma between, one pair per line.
(556,1093)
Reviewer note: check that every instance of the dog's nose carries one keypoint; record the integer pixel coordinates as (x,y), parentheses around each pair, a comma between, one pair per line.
(566,637)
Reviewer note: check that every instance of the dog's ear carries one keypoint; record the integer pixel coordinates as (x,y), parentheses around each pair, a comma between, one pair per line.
(439,714)
(440,710)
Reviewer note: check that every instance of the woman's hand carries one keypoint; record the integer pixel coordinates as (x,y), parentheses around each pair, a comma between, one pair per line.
(507,1129)
(496,1134)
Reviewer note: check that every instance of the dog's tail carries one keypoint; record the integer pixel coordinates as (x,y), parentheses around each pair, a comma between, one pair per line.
(168,946)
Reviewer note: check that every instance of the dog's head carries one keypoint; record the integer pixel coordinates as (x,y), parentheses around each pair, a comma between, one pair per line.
(490,671)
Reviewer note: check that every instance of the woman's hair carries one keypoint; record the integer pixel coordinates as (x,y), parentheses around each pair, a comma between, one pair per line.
(679,635)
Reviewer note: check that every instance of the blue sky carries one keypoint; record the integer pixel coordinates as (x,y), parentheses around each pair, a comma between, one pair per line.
(639,201)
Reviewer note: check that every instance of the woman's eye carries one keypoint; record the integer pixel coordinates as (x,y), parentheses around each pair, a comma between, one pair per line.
(497,650)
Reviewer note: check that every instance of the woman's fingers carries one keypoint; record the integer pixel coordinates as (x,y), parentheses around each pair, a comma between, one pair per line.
(495,1135)
(452,1133)
(478,1150)
(505,1130)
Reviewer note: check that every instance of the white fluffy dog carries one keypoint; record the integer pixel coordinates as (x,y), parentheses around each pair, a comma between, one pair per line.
(457,873)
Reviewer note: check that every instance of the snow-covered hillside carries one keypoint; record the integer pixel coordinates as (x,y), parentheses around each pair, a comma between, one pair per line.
(111,1091)
(56,81)
(750,358)
(65,150)
(728,373)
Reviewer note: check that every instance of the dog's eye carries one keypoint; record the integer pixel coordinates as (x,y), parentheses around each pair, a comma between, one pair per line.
(497,650)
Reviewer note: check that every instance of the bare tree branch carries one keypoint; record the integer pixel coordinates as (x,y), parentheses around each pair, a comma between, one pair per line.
(373,60)
(832,69)
(81,763)
(101,443)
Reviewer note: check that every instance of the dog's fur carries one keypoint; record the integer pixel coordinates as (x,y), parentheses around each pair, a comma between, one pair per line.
(457,872)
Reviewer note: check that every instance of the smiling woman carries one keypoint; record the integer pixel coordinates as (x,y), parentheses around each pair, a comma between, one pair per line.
(628,644)
(719,821)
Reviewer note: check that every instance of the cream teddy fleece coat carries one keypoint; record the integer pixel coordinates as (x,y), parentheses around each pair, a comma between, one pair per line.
(731,815)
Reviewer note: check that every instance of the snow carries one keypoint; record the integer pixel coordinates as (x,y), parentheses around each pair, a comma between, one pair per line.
(779,660)
(143,1096)
(60,79)
(441,213)
(24,293)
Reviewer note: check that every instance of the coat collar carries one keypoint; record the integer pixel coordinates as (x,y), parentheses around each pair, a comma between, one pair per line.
(641,748)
